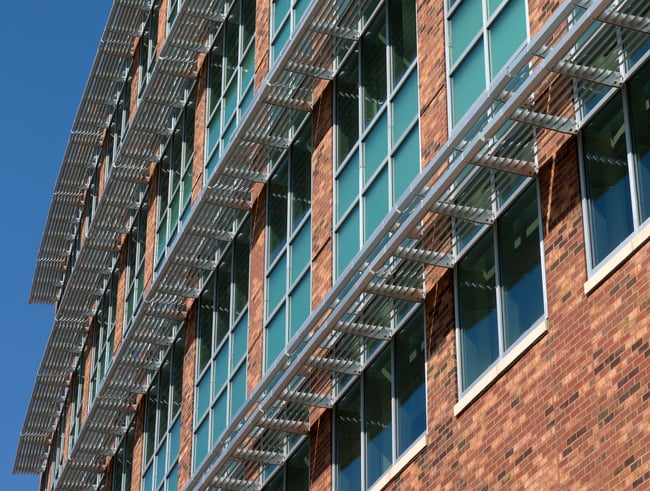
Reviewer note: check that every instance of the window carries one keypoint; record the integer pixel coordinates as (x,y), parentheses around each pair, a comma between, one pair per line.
(104,335)
(616,168)
(230,78)
(76,398)
(482,35)
(499,287)
(285,15)
(135,256)
(162,423)
(148,45)
(123,462)
(222,345)
(90,203)
(382,413)
(175,178)
(294,474)
(119,125)
(288,263)
(377,129)
(173,7)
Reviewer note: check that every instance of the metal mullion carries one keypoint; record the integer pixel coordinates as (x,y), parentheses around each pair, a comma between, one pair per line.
(631,160)
(498,287)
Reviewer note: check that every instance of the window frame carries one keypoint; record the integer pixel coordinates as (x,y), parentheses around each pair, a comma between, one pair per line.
(164,430)
(135,261)
(177,193)
(410,320)
(148,47)
(103,347)
(488,20)
(395,86)
(236,320)
(291,234)
(597,269)
(493,229)
(222,113)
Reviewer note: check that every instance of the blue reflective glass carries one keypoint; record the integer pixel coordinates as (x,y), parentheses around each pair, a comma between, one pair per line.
(405,106)
(376,147)
(407,162)
(238,391)
(277,283)
(301,251)
(201,442)
(203,395)
(219,416)
(466,22)
(239,341)
(477,310)
(468,82)
(347,185)
(376,203)
(300,302)
(275,337)
(506,34)
(520,265)
(220,370)
(347,240)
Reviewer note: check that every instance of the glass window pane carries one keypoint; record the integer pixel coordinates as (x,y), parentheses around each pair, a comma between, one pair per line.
(300,302)
(376,203)
(174,440)
(238,391)
(348,185)
(206,310)
(348,441)
(172,480)
(275,337)
(301,177)
(347,107)
(347,240)
(203,395)
(376,147)
(201,442)
(477,310)
(161,464)
(639,93)
(280,10)
(506,34)
(239,341)
(220,370)
(219,416)
(407,162)
(377,398)
(277,284)
(242,267)
(373,59)
(405,106)
(466,22)
(520,263)
(409,383)
(223,284)
(301,251)
(607,179)
(298,469)
(277,212)
(401,19)
(468,82)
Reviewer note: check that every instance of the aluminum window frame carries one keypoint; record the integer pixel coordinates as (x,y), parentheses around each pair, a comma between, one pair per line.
(484,231)
(487,21)
(167,230)
(358,383)
(285,251)
(357,150)
(593,265)
(235,320)
(217,117)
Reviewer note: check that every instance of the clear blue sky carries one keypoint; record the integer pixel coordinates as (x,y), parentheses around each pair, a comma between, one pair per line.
(46,52)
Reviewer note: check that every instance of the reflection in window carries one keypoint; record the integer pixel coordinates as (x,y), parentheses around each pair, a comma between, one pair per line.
(500,293)
(377,131)
(383,413)
(616,163)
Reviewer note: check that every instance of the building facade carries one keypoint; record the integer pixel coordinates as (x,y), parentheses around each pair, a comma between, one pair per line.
(350,245)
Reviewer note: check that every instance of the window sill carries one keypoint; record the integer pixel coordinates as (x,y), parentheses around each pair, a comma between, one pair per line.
(606,268)
(500,366)
(415,448)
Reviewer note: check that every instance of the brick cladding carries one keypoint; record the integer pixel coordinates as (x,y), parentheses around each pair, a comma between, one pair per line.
(572,413)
